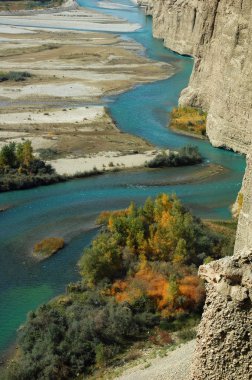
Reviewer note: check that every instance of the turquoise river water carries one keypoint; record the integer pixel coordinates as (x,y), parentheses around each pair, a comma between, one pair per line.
(69,209)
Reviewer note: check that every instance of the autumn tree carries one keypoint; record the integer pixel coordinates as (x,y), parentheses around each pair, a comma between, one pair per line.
(25,153)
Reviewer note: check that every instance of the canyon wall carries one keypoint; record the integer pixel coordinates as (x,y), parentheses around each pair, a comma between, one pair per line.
(217,33)
(224,340)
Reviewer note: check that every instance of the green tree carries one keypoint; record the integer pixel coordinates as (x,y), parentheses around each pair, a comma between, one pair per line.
(8,155)
(102,260)
(180,254)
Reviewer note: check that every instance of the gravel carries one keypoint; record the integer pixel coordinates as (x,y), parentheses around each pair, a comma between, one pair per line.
(174,366)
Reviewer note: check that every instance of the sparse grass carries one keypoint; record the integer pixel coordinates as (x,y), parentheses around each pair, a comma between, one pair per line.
(28,50)
(48,247)
(181,323)
(189,120)
(186,335)
(225,227)
(239,202)
(47,154)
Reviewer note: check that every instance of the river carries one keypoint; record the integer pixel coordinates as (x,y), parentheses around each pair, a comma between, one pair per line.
(69,209)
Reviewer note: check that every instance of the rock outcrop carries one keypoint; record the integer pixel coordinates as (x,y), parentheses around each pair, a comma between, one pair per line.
(223,349)
(218,34)
(244,230)
(224,341)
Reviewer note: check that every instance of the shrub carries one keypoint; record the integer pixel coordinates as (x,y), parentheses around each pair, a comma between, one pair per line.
(188,155)
(47,247)
(186,334)
(189,119)
(16,76)
(19,168)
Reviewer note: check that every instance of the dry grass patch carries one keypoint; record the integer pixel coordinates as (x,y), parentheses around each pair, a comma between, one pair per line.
(48,247)
(189,120)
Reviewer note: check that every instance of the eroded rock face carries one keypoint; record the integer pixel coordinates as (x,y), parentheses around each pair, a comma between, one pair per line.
(224,341)
(244,231)
(218,33)
(223,349)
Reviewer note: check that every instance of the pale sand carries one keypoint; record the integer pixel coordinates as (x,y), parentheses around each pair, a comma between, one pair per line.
(12,134)
(74,90)
(14,30)
(83,115)
(110,5)
(80,19)
(78,67)
(102,161)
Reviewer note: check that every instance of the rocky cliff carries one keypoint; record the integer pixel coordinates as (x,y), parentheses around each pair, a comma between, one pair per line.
(217,33)
(223,348)
(224,341)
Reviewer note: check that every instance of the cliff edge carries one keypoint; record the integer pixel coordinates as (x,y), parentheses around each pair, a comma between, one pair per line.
(217,33)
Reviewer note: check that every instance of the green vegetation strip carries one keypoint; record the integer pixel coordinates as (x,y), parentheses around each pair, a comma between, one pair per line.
(19,169)
(188,155)
(17,76)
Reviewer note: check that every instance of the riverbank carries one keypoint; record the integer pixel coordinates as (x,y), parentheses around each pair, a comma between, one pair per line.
(58,107)
(21,7)
(124,283)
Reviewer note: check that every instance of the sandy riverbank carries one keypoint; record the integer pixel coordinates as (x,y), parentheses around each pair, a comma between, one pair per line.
(76,19)
(60,107)
(103,161)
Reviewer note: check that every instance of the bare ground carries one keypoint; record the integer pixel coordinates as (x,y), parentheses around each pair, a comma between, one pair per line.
(59,107)
(174,366)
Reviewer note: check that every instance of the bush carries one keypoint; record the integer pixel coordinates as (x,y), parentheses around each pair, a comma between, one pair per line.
(189,119)
(187,334)
(188,155)
(47,247)
(61,343)
(19,168)
(16,76)
(47,154)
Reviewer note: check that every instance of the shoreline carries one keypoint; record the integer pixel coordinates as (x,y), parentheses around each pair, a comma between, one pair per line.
(185,133)
(205,171)
(68,67)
